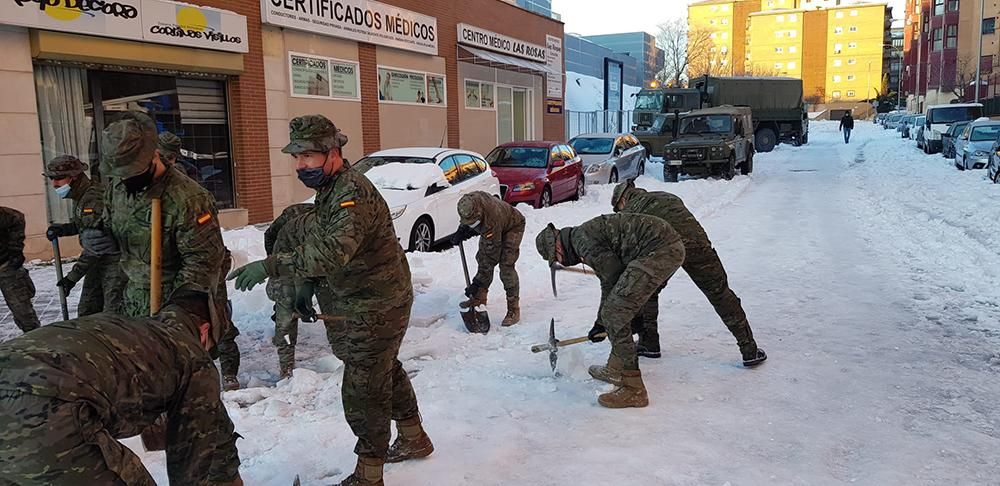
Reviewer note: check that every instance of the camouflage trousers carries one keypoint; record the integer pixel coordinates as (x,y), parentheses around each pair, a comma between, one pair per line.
(640,280)
(18,290)
(376,389)
(102,288)
(702,264)
(282,292)
(505,257)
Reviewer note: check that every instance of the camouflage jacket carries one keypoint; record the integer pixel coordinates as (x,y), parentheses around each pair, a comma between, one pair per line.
(192,240)
(608,243)
(11,234)
(290,228)
(498,218)
(353,245)
(671,209)
(88,211)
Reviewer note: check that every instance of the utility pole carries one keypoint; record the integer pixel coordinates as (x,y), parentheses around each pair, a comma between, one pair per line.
(979,60)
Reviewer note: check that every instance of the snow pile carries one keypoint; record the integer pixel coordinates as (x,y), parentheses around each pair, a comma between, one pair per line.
(402,176)
(586,93)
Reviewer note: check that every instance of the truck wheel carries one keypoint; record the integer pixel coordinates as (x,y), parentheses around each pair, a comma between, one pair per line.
(765,140)
(805,139)
(670,174)
(729,171)
(747,166)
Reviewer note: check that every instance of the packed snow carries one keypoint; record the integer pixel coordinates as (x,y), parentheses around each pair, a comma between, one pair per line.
(403,176)
(868,271)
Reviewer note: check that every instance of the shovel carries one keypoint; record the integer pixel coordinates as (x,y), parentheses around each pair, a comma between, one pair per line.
(476,321)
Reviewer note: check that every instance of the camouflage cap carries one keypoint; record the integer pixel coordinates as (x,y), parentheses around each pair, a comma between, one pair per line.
(64,166)
(620,191)
(168,144)
(545,243)
(128,145)
(469,211)
(313,133)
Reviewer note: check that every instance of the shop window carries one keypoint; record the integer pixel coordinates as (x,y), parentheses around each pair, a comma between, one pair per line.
(323,77)
(410,87)
(479,95)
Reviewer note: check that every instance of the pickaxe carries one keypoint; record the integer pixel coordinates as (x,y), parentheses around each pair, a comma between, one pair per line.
(554,344)
(554,267)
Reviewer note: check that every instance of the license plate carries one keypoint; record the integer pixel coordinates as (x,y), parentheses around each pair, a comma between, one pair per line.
(674,162)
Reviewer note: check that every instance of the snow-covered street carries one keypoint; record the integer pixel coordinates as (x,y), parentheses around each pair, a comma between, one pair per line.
(870,275)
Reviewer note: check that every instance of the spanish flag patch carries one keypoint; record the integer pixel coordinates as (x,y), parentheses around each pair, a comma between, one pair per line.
(347,204)
(204,218)
(88,210)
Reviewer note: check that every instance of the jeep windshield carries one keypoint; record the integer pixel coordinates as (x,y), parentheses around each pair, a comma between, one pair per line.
(649,100)
(663,124)
(697,125)
(534,157)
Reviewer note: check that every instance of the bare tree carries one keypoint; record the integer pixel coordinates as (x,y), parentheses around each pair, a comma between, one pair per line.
(965,77)
(686,52)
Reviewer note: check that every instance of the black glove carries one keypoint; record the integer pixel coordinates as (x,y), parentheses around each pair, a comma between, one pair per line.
(473,289)
(464,232)
(66,285)
(58,231)
(15,262)
(98,242)
(304,301)
(594,336)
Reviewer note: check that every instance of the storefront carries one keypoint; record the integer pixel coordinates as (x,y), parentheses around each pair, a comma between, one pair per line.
(409,73)
(77,66)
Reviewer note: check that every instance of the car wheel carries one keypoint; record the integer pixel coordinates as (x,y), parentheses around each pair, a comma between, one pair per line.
(765,140)
(422,235)
(546,199)
(614,176)
(962,165)
(642,166)
(671,174)
(729,171)
(581,189)
(747,166)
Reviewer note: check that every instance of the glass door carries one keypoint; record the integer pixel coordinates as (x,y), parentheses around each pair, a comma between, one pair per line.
(505,115)
(520,114)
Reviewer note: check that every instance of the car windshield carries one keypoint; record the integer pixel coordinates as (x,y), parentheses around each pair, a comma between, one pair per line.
(592,146)
(535,157)
(694,125)
(365,164)
(984,134)
(958,128)
(954,114)
(649,100)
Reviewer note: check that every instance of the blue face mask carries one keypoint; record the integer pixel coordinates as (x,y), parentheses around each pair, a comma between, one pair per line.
(313,178)
(63,191)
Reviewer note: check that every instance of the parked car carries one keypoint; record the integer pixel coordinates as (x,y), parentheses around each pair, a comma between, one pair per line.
(538,173)
(892,123)
(918,132)
(713,141)
(993,167)
(975,153)
(963,138)
(422,186)
(609,157)
(905,124)
(940,117)
(948,139)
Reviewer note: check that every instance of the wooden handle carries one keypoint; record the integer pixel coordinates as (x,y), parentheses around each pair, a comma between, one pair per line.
(155,257)
(538,348)
(583,271)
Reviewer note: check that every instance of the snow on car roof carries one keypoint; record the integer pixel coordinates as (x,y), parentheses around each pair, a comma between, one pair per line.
(600,135)
(424,152)
(402,176)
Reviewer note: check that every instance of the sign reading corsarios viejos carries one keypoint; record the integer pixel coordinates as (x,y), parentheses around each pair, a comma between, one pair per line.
(471,35)
(159,21)
(358,20)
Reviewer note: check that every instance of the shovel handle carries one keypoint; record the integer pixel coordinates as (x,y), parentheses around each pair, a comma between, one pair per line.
(465,266)
(538,348)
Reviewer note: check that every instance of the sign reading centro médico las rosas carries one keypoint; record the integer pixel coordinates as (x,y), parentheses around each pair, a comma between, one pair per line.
(471,35)
(358,20)
(160,21)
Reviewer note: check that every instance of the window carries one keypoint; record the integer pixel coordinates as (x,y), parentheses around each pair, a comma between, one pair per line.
(725,35)
(724,49)
(839,15)
(952,37)
(725,8)
(850,93)
(791,65)
(836,94)
(467,167)
(837,48)
(838,30)
(793,33)
(778,65)
(711,22)
(937,39)
(451,170)
(853,28)
(725,21)
(837,63)
(989,25)
(779,18)
(850,77)
(411,87)
(567,152)
(724,62)
(952,5)
(793,18)
(715,8)
(851,62)
(712,35)
(792,49)
(854,13)
(938,7)
(852,45)
(779,33)
(836,78)
(778,50)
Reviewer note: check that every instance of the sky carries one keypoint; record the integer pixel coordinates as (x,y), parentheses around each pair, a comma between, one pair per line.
(591,17)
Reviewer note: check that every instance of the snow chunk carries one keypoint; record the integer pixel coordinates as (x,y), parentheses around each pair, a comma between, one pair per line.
(402,176)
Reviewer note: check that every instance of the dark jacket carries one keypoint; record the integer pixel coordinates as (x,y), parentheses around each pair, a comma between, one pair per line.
(847,122)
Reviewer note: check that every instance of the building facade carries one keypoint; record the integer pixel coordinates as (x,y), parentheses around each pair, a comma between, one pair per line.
(933,71)
(639,45)
(717,30)
(591,59)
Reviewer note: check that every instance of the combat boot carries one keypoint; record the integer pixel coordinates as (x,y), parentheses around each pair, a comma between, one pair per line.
(752,355)
(368,472)
(476,300)
(648,346)
(631,392)
(411,442)
(609,373)
(230,383)
(513,312)
(286,370)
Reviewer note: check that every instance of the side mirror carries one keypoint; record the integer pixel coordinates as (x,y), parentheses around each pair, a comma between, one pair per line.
(434,189)
(558,163)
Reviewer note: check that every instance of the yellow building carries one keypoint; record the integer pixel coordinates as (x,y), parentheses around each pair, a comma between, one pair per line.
(768,5)
(855,51)
(776,43)
(722,24)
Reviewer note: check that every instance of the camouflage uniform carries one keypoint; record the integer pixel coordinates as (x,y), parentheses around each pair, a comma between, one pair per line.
(69,390)
(701,263)
(169,146)
(103,280)
(193,257)
(501,228)
(15,283)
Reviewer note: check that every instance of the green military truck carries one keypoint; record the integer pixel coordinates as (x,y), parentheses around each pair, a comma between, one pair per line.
(779,113)
(713,141)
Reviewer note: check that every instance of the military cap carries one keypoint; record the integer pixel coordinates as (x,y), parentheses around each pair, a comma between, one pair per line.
(128,145)
(168,144)
(469,211)
(620,191)
(64,166)
(315,133)
(545,243)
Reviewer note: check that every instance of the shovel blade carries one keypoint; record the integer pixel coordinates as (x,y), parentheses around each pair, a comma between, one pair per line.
(477,322)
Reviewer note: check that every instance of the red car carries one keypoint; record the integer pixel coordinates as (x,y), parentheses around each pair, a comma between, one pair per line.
(537,173)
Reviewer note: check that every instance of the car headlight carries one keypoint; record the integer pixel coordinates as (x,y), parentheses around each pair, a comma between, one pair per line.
(594,168)
(980,153)
(528,186)
(397,211)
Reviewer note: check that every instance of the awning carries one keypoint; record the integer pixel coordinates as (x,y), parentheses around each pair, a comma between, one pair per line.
(503,61)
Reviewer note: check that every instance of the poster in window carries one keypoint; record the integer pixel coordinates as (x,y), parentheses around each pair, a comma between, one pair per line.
(487,96)
(401,86)
(471,94)
(435,89)
(344,80)
(310,76)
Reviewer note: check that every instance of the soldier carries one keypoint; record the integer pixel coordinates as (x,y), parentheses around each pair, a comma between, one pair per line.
(70,390)
(702,264)
(169,146)
(353,246)
(15,283)
(500,228)
(193,257)
(102,276)
(633,256)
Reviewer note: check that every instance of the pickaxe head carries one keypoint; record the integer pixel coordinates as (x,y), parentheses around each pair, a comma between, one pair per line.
(553,342)
(552,268)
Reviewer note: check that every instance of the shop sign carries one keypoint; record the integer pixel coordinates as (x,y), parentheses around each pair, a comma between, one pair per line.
(554,107)
(358,20)
(159,21)
(400,86)
(322,77)
(486,39)
(554,60)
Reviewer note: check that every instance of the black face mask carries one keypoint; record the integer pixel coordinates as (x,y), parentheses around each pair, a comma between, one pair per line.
(313,178)
(139,183)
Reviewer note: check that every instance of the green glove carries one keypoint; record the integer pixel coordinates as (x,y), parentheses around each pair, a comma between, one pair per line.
(249,275)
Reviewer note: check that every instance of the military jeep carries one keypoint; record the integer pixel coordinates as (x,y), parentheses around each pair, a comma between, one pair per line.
(658,134)
(713,142)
